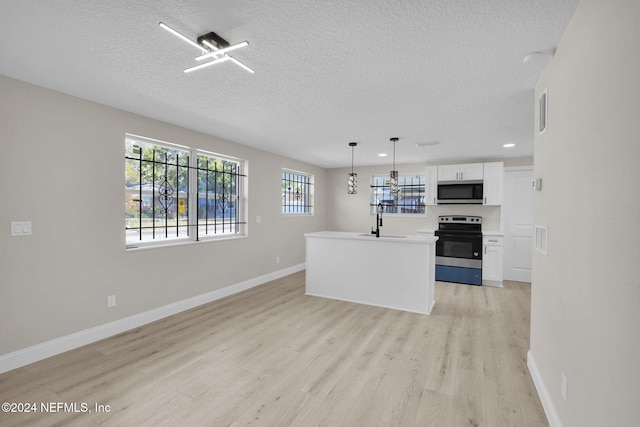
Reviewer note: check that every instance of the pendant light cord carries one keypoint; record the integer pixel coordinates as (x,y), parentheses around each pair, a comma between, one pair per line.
(394,153)
(352,145)
(352,159)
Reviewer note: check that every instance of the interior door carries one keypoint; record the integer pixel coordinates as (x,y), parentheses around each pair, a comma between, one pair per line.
(518,224)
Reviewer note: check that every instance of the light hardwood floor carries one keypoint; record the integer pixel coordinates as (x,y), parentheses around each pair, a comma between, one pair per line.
(272,356)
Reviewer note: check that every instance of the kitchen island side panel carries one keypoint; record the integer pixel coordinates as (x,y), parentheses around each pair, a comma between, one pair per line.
(386,273)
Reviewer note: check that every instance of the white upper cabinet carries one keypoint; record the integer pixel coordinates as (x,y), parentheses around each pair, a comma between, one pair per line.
(493,187)
(448,172)
(431,189)
(490,174)
(466,172)
(472,172)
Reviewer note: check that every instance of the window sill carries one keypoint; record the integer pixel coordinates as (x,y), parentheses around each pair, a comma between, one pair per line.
(401,215)
(146,246)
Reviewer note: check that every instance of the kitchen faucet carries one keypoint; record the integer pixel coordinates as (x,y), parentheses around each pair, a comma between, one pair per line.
(379,210)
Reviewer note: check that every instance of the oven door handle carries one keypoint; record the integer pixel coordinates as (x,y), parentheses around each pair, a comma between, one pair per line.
(455,234)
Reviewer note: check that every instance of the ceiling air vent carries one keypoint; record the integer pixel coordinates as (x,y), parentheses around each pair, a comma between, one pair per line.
(542,239)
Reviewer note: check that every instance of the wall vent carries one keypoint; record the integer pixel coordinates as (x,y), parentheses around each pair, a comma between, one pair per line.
(542,115)
(542,239)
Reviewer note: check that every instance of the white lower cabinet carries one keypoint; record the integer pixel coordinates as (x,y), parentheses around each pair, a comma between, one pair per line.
(492,253)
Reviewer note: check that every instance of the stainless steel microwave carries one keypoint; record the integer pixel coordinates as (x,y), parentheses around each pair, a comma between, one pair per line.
(469,192)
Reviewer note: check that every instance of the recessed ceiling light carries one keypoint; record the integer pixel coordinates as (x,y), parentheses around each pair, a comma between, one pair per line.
(382,155)
(509,145)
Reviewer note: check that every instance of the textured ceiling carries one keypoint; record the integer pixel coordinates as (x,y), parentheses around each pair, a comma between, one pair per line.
(326,72)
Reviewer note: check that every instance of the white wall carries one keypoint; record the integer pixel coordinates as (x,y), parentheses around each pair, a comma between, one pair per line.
(585,310)
(62,167)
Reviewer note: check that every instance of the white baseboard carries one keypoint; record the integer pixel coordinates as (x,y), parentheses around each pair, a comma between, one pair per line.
(56,346)
(543,393)
(492,283)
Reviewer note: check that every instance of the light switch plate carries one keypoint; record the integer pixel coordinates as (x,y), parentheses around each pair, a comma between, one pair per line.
(111,301)
(21,228)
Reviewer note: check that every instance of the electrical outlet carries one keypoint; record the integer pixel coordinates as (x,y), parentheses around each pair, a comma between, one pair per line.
(111,301)
(278,259)
(563,389)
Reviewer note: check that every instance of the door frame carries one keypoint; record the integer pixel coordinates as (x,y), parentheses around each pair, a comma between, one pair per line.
(508,237)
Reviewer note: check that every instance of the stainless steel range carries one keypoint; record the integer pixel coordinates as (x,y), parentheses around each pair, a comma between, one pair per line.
(459,249)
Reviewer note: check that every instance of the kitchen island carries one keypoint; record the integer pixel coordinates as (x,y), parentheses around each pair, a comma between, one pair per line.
(392,271)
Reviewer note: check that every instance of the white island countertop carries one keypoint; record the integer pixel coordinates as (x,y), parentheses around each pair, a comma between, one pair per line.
(406,238)
(393,271)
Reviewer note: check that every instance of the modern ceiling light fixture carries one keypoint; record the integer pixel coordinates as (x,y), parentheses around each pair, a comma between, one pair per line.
(211,46)
(352,180)
(213,53)
(207,64)
(183,37)
(393,176)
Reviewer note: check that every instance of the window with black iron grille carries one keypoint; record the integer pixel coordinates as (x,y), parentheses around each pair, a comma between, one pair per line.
(410,199)
(297,192)
(174,193)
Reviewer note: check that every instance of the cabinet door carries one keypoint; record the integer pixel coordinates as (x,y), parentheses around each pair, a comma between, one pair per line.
(448,172)
(471,172)
(431,188)
(492,263)
(493,183)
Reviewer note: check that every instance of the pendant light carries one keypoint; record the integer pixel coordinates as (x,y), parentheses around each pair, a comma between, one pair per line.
(352,180)
(393,176)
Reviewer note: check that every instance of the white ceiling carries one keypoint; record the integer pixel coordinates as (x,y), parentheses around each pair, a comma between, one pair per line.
(327,72)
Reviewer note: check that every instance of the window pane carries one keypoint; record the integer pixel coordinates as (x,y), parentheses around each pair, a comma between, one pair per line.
(156,186)
(410,198)
(218,196)
(296,192)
